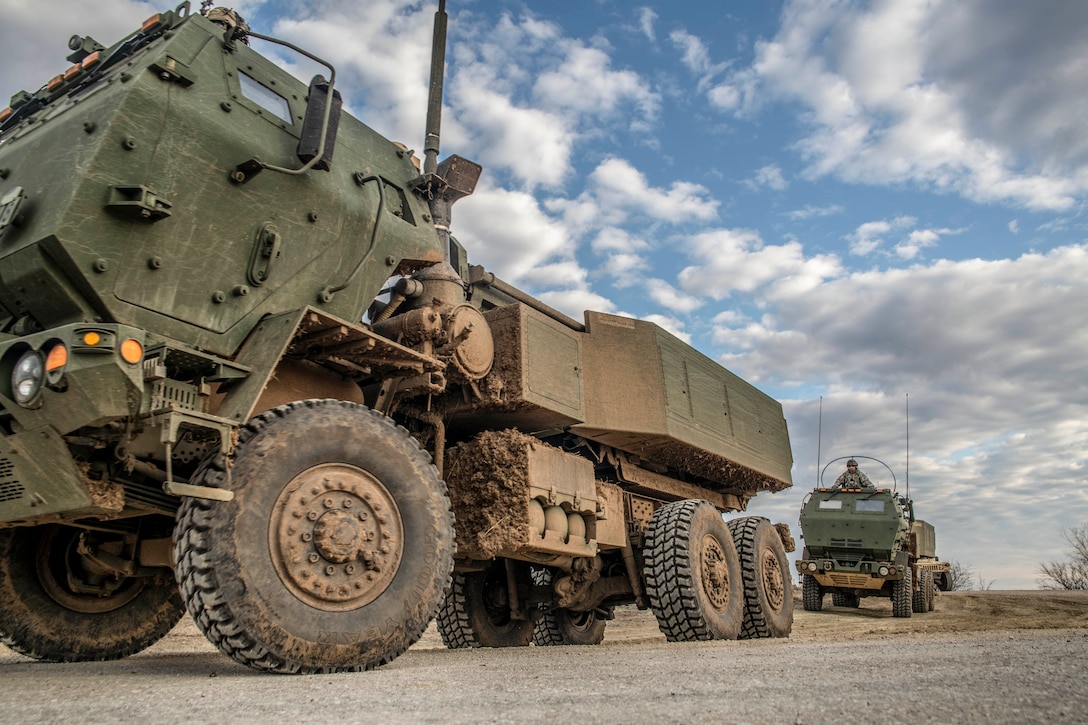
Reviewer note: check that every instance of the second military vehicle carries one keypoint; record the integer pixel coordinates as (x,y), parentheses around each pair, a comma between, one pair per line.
(866,542)
(245,371)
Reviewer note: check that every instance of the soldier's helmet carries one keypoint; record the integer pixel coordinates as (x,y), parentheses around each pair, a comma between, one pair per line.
(851,462)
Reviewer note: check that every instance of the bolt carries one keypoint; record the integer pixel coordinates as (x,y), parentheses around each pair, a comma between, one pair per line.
(312,216)
(218,297)
(313,558)
(315,490)
(226,106)
(307,536)
(291,530)
(349,569)
(330,570)
(328,503)
(154,263)
(348,503)
(363,516)
(129,143)
(312,516)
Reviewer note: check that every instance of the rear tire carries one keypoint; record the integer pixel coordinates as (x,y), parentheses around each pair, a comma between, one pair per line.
(693,575)
(921,598)
(768,590)
(901,595)
(812,594)
(847,601)
(336,550)
(476,612)
(53,608)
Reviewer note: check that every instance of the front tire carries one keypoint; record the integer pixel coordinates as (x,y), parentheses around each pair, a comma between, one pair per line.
(901,595)
(336,550)
(693,576)
(54,607)
(812,594)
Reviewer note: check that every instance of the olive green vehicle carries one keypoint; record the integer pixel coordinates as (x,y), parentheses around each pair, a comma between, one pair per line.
(866,542)
(245,371)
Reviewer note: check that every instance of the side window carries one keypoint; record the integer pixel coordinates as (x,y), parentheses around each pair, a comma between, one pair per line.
(870,505)
(265,97)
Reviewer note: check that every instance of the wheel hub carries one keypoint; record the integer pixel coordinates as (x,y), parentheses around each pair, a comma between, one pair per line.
(715,573)
(336,537)
(773,582)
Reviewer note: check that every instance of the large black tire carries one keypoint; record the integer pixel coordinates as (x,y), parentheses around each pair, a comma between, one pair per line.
(336,550)
(42,615)
(812,594)
(901,596)
(563,626)
(693,575)
(931,598)
(476,612)
(768,590)
(920,599)
(849,601)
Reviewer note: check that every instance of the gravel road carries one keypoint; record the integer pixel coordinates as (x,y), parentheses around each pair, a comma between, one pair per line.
(971,661)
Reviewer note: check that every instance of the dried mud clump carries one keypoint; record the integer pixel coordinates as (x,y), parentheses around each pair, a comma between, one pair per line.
(488,480)
(732,476)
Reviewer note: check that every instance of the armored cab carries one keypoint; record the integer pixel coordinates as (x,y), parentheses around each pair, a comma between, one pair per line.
(246,372)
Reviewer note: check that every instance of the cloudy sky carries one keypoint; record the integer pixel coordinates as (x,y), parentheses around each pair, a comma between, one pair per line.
(851,204)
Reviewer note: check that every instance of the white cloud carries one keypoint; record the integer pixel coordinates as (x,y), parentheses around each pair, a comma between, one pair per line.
(769,176)
(870,236)
(737,260)
(646,19)
(620,186)
(527,239)
(671,298)
(626,269)
(899,93)
(810,210)
(1014,226)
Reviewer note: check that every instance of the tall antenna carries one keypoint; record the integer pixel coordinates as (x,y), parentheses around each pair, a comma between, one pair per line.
(434,99)
(819,440)
(908,443)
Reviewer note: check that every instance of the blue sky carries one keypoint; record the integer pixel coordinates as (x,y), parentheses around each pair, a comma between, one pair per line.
(843,202)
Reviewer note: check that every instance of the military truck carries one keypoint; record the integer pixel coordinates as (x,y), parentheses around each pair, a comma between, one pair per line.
(247,372)
(866,542)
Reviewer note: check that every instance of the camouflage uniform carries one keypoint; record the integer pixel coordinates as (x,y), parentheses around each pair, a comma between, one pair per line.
(857,479)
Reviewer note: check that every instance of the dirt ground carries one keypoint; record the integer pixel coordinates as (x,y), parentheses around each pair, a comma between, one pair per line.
(957,613)
(990,657)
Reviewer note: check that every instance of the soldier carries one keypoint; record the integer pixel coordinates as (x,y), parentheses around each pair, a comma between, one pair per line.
(852,477)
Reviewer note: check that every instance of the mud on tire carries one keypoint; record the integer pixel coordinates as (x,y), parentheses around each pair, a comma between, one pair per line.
(42,614)
(336,550)
(693,575)
(768,591)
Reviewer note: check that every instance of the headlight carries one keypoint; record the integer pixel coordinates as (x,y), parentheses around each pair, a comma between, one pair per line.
(883,571)
(812,566)
(26,378)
